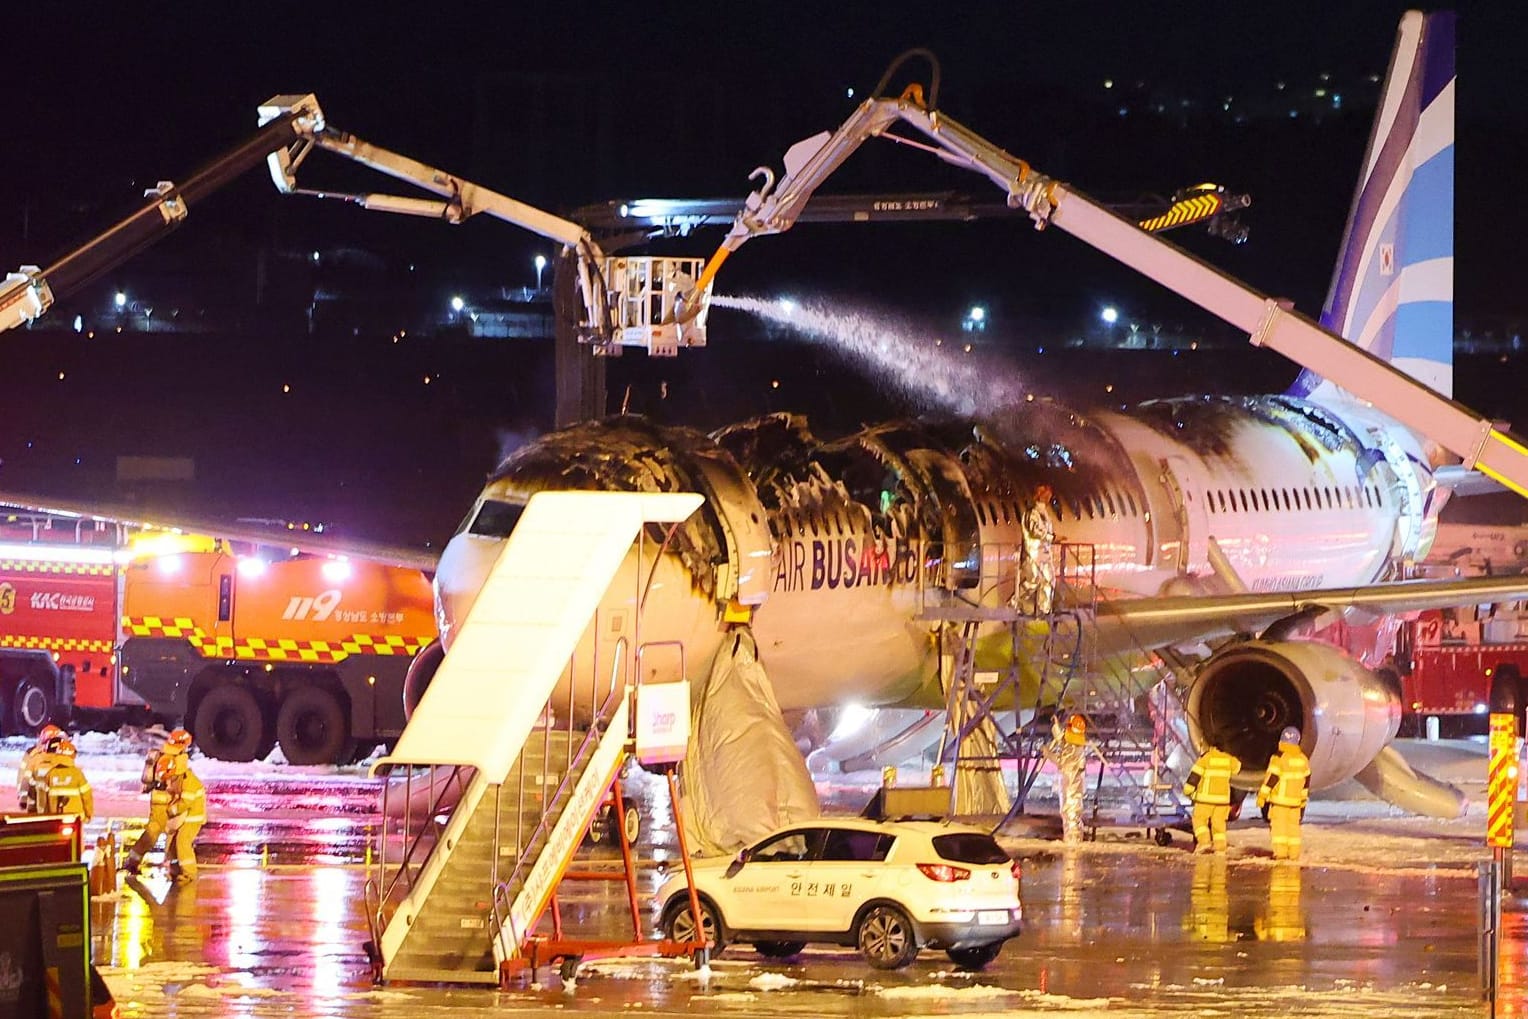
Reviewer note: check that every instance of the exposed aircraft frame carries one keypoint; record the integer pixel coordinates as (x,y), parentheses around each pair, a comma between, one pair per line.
(1270,322)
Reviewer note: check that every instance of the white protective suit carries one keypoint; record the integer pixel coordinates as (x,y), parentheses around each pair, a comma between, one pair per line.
(1071,761)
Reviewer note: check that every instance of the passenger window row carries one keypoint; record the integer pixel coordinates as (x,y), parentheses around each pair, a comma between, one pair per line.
(1259,500)
(1104,505)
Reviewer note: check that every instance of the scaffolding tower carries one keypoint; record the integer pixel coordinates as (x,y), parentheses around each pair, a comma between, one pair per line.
(997,723)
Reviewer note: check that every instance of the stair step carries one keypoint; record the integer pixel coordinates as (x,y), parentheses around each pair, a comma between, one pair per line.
(423,972)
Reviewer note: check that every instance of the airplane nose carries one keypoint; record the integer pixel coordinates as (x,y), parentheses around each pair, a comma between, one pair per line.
(463,569)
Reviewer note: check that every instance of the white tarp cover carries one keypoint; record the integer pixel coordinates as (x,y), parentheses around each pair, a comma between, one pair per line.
(743,775)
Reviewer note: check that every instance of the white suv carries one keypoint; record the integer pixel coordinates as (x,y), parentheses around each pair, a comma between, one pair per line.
(887,887)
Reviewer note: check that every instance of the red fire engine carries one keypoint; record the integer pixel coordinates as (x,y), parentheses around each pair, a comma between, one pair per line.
(103,622)
(1448,660)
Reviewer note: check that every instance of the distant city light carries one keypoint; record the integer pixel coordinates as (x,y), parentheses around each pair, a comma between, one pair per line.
(1110,314)
(79,323)
(540,263)
(286,387)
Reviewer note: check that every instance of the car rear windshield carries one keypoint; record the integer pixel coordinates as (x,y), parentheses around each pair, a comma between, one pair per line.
(969,848)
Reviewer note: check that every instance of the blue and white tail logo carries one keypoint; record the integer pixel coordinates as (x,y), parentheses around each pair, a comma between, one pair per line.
(1393,291)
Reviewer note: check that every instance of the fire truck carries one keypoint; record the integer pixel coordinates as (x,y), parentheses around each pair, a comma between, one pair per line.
(1448,659)
(104,623)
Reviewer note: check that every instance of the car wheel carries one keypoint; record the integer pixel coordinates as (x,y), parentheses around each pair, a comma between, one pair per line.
(976,956)
(886,938)
(599,826)
(779,949)
(631,820)
(681,925)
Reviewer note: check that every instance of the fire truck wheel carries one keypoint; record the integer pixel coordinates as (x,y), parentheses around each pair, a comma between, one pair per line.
(33,705)
(312,727)
(229,725)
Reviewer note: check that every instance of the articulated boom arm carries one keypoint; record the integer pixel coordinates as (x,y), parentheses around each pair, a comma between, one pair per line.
(625,301)
(774,208)
(26,294)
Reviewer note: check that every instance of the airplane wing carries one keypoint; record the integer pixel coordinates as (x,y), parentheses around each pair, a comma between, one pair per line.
(1127,623)
(268,535)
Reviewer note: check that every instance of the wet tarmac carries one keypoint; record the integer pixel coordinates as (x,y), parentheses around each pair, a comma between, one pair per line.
(276,923)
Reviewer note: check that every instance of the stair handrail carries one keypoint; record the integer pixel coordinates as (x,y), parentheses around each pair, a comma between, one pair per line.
(394,890)
(500,912)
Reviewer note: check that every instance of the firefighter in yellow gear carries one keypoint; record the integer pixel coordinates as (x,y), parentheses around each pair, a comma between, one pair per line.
(187,815)
(1284,793)
(26,773)
(61,787)
(1209,788)
(160,768)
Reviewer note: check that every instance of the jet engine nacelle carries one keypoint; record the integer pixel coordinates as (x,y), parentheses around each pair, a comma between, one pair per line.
(1245,695)
(421,670)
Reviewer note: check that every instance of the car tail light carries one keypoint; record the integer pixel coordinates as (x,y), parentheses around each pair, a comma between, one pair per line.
(944,872)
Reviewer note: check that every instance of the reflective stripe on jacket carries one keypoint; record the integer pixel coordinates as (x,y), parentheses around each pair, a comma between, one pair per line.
(1288,781)
(1210,780)
(190,803)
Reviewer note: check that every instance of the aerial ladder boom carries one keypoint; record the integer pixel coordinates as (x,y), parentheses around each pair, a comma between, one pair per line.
(29,292)
(624,301)
(775,206)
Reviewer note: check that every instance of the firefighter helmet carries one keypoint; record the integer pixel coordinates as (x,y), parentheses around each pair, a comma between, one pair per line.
(64,746)
(178,740)
(1076,730)
(48,732)
(1290,735)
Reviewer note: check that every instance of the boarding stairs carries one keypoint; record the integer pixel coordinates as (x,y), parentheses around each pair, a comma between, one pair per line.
(497,800)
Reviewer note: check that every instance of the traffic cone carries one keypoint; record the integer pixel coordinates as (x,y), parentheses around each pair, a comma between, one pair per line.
(111,859)
(98,868)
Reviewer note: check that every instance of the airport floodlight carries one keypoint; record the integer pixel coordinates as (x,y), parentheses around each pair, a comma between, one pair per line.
(1110,314)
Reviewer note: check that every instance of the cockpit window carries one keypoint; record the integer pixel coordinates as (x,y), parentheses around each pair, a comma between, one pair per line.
(495,519)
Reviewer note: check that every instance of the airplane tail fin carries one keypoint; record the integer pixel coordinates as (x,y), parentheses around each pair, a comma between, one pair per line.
(1393,290)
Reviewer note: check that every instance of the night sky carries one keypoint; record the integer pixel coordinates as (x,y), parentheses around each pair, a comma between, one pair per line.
(580,103)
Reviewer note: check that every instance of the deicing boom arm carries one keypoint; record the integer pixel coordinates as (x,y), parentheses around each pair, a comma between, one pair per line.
(460,199)
(774,208)
(26,294)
